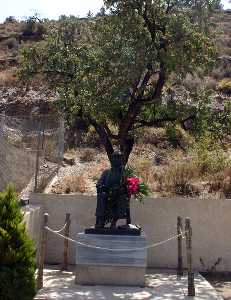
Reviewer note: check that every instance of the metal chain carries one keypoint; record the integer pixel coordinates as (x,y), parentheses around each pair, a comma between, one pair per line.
(60,230)
(110,249)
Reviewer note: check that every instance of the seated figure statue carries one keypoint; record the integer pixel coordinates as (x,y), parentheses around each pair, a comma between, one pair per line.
(112,196)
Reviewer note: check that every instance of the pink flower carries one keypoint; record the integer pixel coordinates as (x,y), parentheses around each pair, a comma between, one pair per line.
(132,185)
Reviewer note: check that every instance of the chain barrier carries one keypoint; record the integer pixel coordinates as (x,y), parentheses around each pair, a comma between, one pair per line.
(110,249)
(60,230)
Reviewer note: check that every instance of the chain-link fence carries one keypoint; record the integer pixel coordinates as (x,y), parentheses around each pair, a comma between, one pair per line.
(31,150)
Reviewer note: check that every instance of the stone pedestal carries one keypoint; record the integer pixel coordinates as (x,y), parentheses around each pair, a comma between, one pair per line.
(105,267)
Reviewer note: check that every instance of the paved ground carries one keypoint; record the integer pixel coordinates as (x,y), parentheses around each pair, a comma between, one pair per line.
(222,283)
(159,285)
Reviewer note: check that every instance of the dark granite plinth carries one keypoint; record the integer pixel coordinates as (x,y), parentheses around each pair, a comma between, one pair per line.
(120,230)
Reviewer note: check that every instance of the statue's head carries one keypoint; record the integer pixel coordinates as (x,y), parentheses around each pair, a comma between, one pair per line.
(116,159)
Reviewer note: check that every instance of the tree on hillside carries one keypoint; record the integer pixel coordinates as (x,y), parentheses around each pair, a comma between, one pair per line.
(17,254)
(90,14)
(116,75)
(102,12)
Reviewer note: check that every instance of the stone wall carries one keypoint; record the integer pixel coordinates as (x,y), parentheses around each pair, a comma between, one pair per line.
(32,219)
(211,224)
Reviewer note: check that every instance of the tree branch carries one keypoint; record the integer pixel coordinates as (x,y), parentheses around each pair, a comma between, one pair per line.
(134,107)
(169,7)
(103,136)
(156,123)
(109,133)
(152,26)
(159,122)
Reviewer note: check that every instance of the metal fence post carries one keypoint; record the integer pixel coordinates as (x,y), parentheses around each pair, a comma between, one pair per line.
(61,140)
(42,252)
(180,252)
(66,244)
(37,157)
(191,285)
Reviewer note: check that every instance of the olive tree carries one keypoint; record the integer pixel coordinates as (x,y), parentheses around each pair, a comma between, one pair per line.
(115,72)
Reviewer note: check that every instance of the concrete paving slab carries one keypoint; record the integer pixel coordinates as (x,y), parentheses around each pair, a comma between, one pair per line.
(160,285)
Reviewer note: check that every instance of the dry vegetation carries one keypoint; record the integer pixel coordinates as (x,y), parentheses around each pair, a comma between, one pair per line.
(197,171)
(219,78)
(70,184)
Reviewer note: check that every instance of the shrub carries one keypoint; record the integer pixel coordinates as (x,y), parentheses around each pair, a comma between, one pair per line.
(71,184)
(91,139)
(178,179)
(17,255)
(87,155)
(40,30)
(225,86)
(28,28)
(33,28)
(143,167)
(152,136)
(10,19)
(209,159)
(221,182)
(210,83)
(192,82)
(177,136)
(172,135)
(12,44)
(8,78)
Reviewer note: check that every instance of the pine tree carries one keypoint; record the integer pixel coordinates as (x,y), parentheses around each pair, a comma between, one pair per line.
(17,254)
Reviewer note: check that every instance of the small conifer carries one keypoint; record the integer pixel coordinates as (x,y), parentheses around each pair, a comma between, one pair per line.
(17,254)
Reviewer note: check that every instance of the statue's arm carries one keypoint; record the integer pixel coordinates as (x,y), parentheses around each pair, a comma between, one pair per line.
(101,184)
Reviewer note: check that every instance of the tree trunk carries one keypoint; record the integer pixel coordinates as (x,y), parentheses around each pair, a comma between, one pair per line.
(70,138)
(126,143)
(104,137)
(126,147)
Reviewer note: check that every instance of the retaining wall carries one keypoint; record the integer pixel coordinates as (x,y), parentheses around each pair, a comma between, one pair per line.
(211,224)
(32,218)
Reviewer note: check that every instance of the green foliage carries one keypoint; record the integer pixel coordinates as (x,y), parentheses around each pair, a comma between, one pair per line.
(211,116)
(33,28)
(17,255)
(117,70)
(102,12)
(209,156)
(143,189)
(178,137)
(10,19)
(172,135)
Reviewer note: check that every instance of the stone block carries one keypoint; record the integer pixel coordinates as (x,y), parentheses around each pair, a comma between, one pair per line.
(125,265)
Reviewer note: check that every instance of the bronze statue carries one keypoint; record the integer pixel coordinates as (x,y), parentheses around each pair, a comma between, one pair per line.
(112,196)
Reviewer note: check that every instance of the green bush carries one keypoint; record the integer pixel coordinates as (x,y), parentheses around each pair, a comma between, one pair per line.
(31,28)
(172,135)
(17,255)
(10,19)
(209,157)
(177,136)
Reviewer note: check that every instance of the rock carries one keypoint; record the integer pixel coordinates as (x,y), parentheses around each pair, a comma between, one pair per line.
(68,160)
(160,158)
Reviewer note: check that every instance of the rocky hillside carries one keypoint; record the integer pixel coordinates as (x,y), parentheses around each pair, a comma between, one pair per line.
(14,97)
